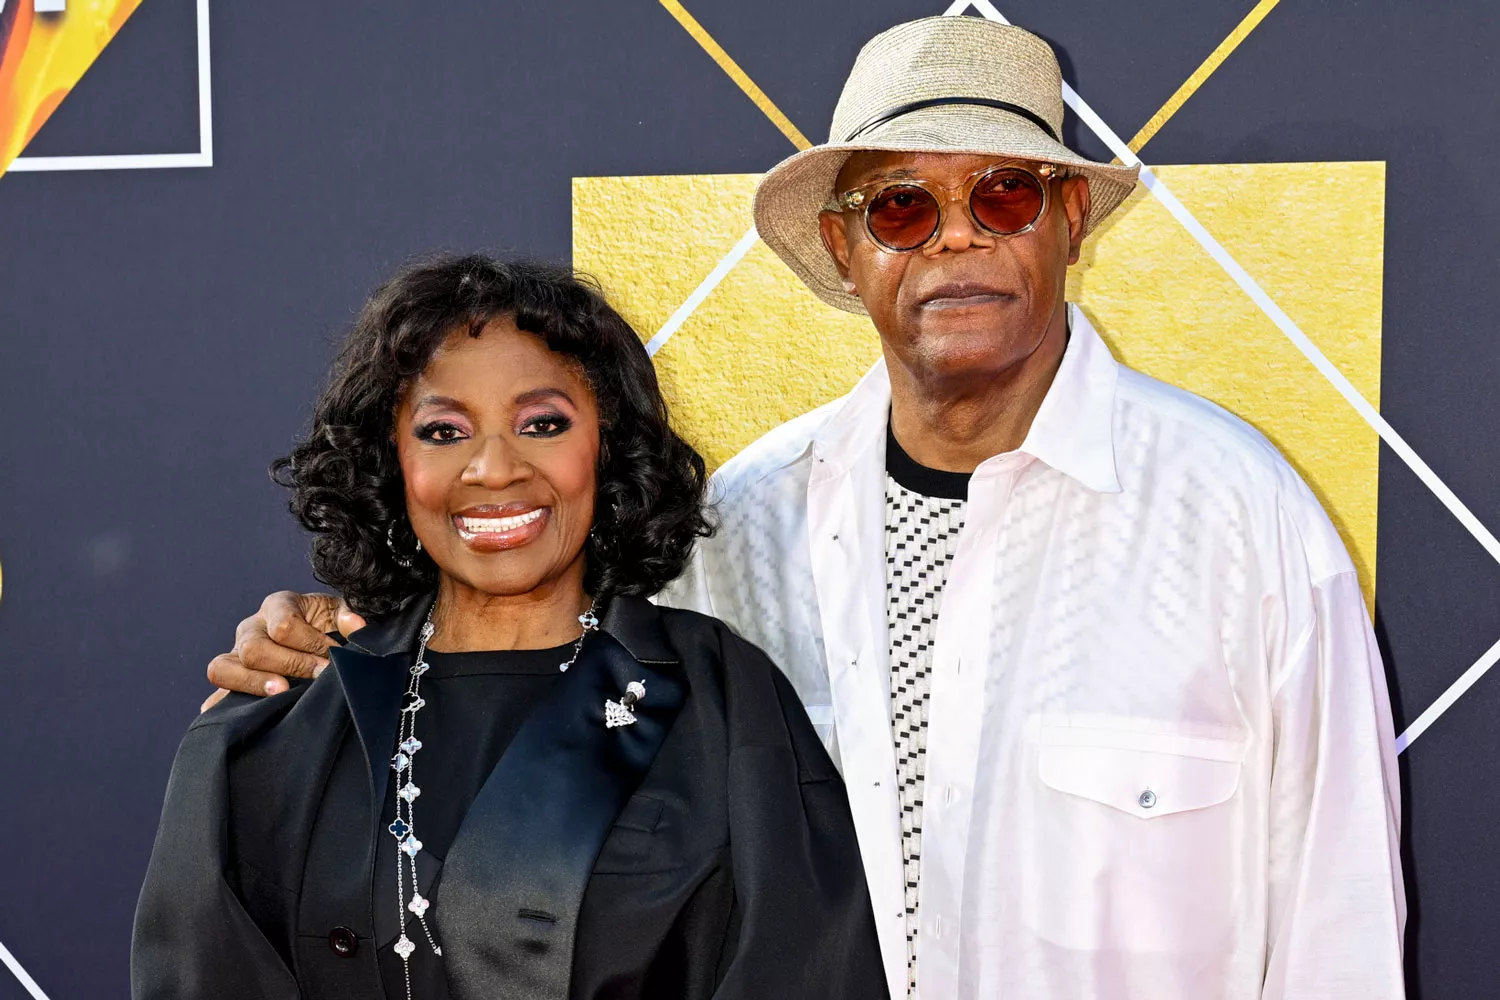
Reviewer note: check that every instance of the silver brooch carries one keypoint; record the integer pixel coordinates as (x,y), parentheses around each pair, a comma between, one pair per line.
(618,713)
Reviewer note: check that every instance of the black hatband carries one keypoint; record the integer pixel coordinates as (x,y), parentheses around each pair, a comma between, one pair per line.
(938,102)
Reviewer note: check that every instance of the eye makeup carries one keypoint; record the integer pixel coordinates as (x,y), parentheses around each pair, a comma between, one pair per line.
(539,413)
(544,412)
(545,425)
(439,431)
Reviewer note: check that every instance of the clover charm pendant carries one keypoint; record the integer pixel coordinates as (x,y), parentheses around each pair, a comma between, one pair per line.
(618,713)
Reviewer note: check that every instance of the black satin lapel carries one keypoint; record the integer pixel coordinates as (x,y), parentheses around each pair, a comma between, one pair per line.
(513,881)
(636,623)
(373,686)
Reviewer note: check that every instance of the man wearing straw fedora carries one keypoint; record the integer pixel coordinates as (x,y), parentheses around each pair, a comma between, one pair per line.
(1094,662)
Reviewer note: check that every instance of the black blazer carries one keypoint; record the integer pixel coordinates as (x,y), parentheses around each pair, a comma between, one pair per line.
(707,851)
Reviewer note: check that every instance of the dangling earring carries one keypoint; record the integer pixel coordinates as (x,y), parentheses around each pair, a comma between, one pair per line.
(404,561)
(596,534)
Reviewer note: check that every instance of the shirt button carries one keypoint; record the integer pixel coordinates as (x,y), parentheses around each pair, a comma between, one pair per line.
(1146,799)
(937,927)
(950,795)
(343,942)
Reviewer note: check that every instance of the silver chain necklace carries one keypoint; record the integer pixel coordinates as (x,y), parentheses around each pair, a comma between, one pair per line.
(404,763)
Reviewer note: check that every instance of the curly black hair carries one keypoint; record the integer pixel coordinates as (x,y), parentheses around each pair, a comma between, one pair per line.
(346,481)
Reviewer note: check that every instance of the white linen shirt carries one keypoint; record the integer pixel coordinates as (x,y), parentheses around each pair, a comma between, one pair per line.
(1160,760)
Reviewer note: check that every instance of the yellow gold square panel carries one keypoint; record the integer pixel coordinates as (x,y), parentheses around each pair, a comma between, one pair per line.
(761,349)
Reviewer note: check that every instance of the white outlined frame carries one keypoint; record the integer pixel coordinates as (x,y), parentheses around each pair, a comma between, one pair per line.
(132,161)
(149,161)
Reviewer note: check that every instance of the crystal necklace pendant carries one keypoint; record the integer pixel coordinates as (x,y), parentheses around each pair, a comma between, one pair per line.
(404,763)
(403,827)
(590,621)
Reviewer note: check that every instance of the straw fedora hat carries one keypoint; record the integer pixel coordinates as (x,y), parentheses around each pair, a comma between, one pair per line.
(938,85)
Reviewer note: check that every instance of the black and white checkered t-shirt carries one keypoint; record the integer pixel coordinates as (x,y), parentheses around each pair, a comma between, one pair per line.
(924,513)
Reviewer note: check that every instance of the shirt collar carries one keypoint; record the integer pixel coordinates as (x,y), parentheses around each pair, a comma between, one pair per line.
(1073,431)
(858,424)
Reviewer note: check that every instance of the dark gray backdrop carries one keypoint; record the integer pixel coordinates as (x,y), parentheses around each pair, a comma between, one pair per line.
(162,334)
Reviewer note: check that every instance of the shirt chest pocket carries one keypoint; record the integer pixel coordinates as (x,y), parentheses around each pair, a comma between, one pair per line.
(1137,841)
(1148,775)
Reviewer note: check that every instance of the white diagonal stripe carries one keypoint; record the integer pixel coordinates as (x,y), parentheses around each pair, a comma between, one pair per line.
(1445,701)
(705,287)
(1309,350)
(1362,406)
(10,963)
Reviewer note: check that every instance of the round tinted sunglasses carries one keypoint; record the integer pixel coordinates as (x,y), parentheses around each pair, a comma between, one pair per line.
(907,215)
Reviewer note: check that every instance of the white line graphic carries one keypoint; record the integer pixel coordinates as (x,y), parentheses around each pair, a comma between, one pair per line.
(1445,701)
(704,289)
(10,963)
(149,161)
(1258,295)
(1309,350)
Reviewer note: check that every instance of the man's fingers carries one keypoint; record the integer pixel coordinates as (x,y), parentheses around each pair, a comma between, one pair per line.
(284,639)
(226,671)
(348,621)
(320,610)
(213,700)
(296,621)
(260,653)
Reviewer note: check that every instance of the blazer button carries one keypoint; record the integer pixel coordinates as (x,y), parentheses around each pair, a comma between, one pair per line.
(343,941)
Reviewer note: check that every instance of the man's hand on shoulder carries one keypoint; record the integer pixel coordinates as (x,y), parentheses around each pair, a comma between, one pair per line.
(287,637)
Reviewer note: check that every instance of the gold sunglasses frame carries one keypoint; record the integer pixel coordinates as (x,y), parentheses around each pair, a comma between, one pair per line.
(860,199)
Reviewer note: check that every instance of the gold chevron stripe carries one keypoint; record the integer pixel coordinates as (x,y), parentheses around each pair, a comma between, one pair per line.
(739,76)
(1202,73)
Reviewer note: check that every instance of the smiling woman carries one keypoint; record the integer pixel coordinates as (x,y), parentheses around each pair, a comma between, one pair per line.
(615,799)
(454,371)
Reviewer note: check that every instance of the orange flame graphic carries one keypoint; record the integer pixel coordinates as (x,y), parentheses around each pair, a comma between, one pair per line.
(42,57)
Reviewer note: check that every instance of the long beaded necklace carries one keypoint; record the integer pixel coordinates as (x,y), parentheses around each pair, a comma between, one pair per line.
(404,763)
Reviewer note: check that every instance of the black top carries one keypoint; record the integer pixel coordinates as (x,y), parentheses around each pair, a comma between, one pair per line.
(704,852)
(475,704)
(919,478)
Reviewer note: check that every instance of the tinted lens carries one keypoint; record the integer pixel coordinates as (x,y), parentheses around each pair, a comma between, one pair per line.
(902,217)
(1006,201)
